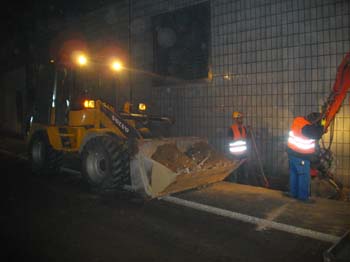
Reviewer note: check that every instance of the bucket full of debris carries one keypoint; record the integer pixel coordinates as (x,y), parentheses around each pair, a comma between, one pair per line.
(170,165)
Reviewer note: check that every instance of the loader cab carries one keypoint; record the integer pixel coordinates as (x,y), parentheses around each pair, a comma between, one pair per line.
(73,86)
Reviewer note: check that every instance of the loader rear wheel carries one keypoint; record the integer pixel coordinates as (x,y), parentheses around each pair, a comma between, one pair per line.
(105,164)
(44,159)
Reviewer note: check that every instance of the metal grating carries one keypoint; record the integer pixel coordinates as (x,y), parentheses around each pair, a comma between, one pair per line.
(271,59)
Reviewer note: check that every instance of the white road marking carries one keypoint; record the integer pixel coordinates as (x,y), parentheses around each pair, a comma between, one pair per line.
(253,220)
(68,170)
(272,215)
(21,156)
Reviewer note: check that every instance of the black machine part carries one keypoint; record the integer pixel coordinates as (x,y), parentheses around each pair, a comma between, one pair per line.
(340,251)
(144,117)
(324,163)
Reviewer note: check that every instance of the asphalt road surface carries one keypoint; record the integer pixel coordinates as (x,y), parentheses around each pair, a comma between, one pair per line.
(56,218)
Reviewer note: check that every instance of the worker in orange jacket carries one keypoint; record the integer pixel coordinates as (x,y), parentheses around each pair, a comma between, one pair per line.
(302,146)
(238,134)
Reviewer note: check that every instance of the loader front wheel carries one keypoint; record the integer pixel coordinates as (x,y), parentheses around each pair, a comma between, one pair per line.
(105,164)
(44,159)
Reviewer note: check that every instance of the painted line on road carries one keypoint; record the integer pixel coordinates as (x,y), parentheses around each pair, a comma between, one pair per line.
(11,154)
(68,170)
(272,215)
(253,220)
(23,156)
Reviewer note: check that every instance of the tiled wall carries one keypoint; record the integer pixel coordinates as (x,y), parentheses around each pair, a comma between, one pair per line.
(270,59)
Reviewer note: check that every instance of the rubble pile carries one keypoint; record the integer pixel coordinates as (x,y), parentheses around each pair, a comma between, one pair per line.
(198,157)
(171,157)
(206,156)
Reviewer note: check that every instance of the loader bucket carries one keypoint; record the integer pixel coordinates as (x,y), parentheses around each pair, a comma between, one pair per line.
(170,165)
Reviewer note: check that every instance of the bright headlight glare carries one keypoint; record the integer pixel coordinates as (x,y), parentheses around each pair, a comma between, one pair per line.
(89,104)
(116,66)
(82,60)
(142,107)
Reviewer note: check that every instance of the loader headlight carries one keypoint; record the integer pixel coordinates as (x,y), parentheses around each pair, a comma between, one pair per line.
(89,104)
(142,107)
(116,65)
(80,58)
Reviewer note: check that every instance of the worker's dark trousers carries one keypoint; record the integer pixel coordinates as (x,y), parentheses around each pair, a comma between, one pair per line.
(299,177)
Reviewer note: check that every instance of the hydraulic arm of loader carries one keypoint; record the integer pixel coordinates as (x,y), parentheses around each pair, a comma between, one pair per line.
(339,92)
(119,119)
(127,130)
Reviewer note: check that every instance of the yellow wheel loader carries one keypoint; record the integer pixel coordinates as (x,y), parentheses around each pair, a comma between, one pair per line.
(116,148)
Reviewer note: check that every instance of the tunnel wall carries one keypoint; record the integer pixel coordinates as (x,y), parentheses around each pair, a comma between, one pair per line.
(272,60)
(12,101)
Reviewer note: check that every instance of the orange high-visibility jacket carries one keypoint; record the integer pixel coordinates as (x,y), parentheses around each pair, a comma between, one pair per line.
(238,135)
(239,145)
(297,141)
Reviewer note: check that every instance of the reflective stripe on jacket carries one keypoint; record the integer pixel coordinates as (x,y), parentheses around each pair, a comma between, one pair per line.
(239,145)
(297,141)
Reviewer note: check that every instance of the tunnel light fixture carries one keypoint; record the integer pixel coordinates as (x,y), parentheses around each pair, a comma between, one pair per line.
(227,77)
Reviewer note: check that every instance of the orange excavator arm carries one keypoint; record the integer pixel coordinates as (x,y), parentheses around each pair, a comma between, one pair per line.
(338,93)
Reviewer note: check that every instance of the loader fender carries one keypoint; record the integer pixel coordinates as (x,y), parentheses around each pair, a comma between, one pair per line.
(87,138)
(92,133)
(51,132)
(33,130)
(43,157)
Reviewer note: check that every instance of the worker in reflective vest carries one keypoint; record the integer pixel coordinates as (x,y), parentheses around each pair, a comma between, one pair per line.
(239,147)
(238,132)
(302,145)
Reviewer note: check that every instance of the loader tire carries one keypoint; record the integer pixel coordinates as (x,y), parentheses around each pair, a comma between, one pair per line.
(44,159)
(106,164)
